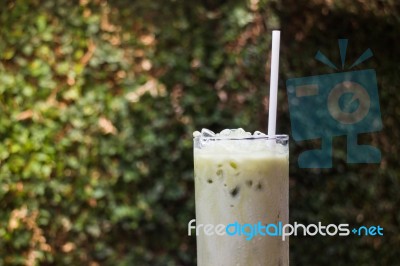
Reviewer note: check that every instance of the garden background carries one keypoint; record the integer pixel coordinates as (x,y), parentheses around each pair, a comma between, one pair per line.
(99,99)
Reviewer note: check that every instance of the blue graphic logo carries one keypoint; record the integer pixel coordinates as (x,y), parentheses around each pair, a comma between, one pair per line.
(339,104)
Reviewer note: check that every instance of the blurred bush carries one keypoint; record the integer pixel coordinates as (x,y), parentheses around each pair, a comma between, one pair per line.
(99,99)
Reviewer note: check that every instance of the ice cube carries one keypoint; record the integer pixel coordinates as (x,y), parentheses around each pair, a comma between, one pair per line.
(206,133)
(196,134)
(206,137)
(225,133)
(258,133)
(238,132)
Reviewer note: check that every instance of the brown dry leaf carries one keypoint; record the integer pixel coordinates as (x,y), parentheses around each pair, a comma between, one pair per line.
(106,126)
(68,247)
(89,54)
(16,216)
(147,39)
(25,115)
(146,64)
(152,86)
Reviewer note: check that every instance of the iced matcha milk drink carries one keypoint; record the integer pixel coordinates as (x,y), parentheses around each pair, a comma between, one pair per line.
(241,178)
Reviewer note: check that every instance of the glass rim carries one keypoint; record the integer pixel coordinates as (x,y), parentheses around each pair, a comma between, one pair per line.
(283,137)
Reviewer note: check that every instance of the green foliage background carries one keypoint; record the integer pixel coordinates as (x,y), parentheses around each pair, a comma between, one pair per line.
(99,99)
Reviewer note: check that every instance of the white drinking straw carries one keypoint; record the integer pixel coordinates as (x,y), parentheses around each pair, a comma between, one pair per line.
(273,88)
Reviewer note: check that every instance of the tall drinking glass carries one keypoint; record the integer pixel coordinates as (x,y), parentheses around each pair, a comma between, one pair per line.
(241,179)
